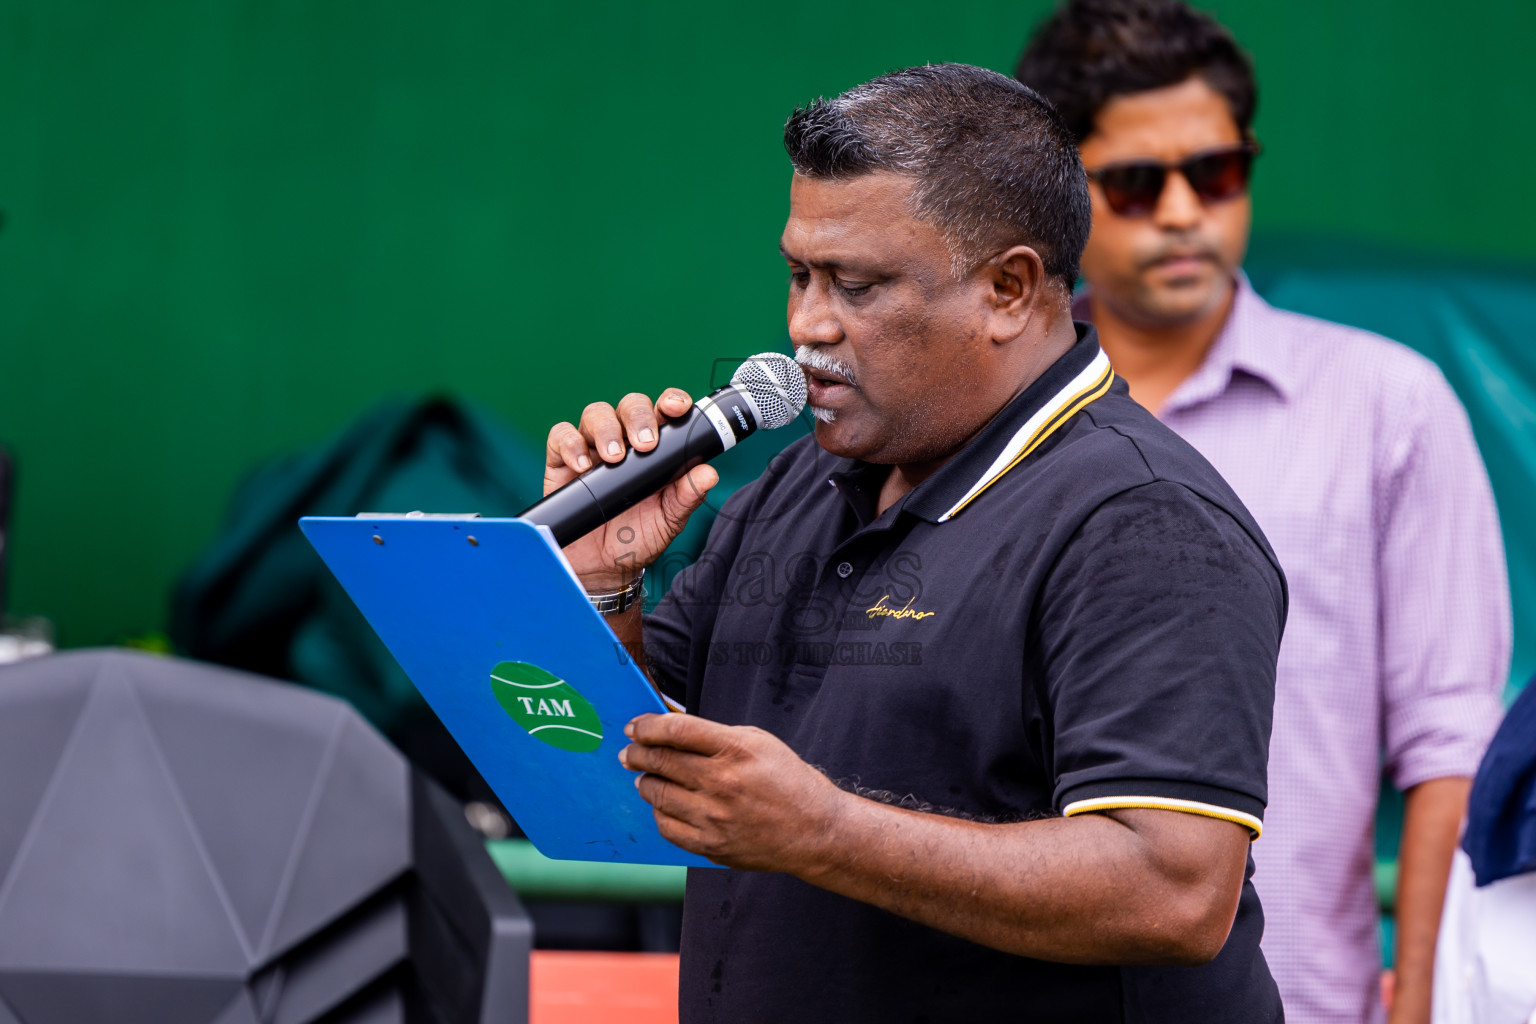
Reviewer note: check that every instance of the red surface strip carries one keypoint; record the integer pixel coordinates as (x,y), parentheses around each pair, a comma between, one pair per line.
(601,988)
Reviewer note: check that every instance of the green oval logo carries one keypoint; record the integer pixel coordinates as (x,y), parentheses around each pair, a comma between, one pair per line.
(548,707)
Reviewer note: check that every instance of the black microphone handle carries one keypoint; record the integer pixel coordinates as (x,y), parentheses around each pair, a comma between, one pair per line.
(610,488)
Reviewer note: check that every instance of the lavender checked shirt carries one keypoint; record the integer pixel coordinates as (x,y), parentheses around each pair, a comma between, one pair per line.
(1357,460)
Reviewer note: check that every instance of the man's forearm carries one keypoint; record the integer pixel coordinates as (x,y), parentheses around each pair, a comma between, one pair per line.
(1120,887)
(1134,886)
(628,630)
(1431,824)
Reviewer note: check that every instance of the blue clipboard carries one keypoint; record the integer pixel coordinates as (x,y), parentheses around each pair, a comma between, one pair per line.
(489,623)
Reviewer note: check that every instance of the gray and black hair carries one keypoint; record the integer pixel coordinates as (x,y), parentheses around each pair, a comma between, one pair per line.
(993,165)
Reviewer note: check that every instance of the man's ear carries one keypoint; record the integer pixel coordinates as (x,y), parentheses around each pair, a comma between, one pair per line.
(1018,280)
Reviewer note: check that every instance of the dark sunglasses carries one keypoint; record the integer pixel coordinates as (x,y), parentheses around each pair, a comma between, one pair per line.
(1133,188)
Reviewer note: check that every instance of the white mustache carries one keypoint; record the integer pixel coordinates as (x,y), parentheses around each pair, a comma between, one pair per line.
(814,358)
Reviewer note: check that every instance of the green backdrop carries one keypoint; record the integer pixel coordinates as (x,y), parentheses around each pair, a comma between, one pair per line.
(233,225)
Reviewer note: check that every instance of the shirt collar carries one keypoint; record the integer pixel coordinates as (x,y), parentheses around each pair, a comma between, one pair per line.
(1072,381)
(1248,343)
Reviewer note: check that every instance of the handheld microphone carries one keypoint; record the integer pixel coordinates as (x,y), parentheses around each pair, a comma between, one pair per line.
(766,391)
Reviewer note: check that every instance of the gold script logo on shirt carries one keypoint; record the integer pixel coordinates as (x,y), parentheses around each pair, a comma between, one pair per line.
(882,610)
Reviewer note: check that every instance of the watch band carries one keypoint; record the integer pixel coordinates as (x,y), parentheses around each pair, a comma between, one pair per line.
(620,600)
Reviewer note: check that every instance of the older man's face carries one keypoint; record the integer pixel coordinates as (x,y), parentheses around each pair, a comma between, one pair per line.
(1176,264)
(890,337)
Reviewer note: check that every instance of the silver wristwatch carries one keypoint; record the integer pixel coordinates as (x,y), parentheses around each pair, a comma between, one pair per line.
(620,600)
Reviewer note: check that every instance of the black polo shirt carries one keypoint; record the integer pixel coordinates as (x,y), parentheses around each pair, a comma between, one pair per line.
(1075,613)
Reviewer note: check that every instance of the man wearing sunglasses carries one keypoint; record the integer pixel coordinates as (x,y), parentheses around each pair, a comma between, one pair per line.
(1354,456)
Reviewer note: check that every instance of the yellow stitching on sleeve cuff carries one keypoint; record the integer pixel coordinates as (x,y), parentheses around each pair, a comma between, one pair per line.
(1165,803)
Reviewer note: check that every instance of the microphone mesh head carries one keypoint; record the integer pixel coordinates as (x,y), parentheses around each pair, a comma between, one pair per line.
(776,384)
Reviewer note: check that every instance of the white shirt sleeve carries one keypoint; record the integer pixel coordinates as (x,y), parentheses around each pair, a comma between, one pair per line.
(1485,962)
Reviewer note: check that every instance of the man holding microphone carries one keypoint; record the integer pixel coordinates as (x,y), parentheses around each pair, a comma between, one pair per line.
(1034,795)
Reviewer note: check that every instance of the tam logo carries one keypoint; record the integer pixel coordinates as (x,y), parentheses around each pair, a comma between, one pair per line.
(546,706)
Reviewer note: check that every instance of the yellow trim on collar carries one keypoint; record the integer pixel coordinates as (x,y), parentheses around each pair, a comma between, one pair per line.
(1073,406)
(1165,803)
